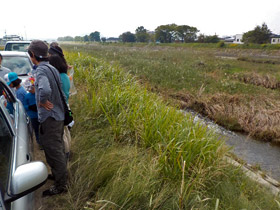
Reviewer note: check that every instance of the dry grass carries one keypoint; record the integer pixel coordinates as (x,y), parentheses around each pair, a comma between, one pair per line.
(260,80)
(260,118)
(259,60)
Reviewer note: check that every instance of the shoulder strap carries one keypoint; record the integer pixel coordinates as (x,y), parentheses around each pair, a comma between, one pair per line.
(59,88)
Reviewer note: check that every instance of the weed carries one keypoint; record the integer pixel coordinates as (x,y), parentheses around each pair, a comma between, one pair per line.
(133,151)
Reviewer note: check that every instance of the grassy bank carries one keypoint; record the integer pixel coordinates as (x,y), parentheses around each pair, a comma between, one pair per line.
(133,151)
(237,88)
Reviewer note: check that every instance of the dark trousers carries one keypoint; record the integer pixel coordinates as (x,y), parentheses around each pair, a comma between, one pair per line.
(51,138)
(35,125)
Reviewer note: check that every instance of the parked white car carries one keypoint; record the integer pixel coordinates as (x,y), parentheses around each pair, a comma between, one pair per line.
(18,62)
(17,46)
(19,175)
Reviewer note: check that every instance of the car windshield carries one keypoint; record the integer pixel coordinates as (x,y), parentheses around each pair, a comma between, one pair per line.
(17,47)
(18,64)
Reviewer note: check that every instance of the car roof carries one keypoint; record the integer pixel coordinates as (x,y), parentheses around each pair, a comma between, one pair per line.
(13,53)
(26,41)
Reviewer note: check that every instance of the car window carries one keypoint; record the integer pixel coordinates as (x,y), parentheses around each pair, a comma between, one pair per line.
(20,65)
(17,47)
(6,142)
(7,100)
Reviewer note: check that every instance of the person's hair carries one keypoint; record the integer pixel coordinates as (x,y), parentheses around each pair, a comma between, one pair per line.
(37,57)
(16,82)
(1,56)
(59,63)
(54,44)
(38,50)
(56,50)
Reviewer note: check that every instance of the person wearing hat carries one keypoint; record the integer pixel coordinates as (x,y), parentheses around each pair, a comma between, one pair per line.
(14,82)
(3,70)
(50,115)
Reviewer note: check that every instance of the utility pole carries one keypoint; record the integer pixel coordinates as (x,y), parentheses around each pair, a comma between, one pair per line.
(25,33)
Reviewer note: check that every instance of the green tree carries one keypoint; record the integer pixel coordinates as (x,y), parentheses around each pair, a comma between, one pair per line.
(201,38)
(212,39)
(172,32)
(141,34)
(165,33)
(260,35)
(94,36)
(128,37)
(86,38)
(208,39)
(186,33)
(78,39)
(103,39)
(66,38)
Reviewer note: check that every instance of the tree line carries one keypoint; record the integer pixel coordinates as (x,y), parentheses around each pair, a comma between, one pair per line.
(173,33)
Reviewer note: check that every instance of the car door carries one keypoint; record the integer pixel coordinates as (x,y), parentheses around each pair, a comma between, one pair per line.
(7,134)
(15,143)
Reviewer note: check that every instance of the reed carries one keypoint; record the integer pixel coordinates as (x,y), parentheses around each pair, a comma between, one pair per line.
(132,151)
(206,79)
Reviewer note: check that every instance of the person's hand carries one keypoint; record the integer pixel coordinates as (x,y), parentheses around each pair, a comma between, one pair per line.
(48,105)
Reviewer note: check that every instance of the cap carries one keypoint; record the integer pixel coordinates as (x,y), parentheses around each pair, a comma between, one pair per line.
(12,76)
(39,48)
(56,50)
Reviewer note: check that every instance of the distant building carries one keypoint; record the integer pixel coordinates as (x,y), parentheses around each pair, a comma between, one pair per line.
(228,39)
(238,39)
(12,38)
(275,39)
(112,39)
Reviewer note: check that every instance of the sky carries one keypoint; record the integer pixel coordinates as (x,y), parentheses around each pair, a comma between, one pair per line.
(36,19)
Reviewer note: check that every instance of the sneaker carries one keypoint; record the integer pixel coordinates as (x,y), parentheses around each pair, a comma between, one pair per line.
(54,191)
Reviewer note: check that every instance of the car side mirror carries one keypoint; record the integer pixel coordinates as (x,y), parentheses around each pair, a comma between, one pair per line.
(26,179)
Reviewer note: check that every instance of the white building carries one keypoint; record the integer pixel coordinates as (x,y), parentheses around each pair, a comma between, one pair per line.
(238,39)
(275,39)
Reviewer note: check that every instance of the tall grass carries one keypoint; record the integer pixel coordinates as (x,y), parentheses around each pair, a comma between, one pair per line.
(133,151)
(201,78)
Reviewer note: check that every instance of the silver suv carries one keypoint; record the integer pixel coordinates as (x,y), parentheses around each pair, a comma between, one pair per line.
(19,175)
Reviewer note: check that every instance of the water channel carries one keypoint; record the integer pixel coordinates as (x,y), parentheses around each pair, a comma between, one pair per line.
(256,153)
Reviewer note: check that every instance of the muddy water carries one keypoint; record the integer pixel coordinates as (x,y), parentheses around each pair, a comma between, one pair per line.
(257,153)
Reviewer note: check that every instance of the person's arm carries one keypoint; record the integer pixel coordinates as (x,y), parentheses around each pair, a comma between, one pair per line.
(44,91)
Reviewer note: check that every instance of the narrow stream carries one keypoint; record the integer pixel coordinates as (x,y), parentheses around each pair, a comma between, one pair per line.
(257,153)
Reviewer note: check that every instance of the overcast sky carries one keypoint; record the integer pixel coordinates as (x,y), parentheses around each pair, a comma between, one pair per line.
(35,19)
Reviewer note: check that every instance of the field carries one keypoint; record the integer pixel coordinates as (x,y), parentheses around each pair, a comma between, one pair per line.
(237,88)
(132,149)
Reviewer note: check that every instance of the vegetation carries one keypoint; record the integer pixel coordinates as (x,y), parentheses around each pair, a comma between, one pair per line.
(133,151)
(142,35)
(260,35)
(92,37)
(208,39)
(240,94)
(127,37)
(172,32)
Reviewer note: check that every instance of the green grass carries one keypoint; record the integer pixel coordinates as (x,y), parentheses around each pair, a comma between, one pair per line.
(202,73)
(133,151)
